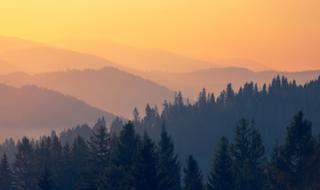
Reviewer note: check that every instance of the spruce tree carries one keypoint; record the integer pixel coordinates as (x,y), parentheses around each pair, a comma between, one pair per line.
(45,181)
(168,164)
(79,157)
(193,178)
(25,177)
(248,156)
(5,174)
(124,155)
(99,147)
(293,164)
(221,175)
(145,171)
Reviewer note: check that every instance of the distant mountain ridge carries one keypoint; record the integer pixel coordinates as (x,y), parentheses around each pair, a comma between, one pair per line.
(33,111)
(32,57)
(108,88)
(216,79)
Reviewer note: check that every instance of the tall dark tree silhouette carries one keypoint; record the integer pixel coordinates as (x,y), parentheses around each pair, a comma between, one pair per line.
(168,164)
(293,162)
(221,175)
(145,166)
(45,181)
(124,155)
(193,178)
(6,178)
(248,155)
(99,147)
(24,167)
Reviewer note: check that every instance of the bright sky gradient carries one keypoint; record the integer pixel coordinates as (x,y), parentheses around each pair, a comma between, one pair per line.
(281,34)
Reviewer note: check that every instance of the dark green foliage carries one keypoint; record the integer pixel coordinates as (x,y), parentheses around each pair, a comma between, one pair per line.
(6,178)
(168,164)
(248,156)
(145,166)
(197,127)
(221,176)
(80,161)
(125,161)
(45,181)
(99,160)
(24,168)
(124,156)
(293,163)
(193,179)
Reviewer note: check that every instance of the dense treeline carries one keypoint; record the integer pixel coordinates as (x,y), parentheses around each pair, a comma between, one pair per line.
(129,161)
(196,127)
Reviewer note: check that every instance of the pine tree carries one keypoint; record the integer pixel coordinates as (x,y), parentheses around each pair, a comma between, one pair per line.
(221,176)
(25,177)
(124,155)
(293,164)
(193,179)
(45,181)
(79,157)
(248,157)
(99,147)
(5,174)
(168,164)
(65,182)
(145,171)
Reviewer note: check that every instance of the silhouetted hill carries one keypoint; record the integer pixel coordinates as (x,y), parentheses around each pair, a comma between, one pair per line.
(215,79)
(31,111)
(108,89)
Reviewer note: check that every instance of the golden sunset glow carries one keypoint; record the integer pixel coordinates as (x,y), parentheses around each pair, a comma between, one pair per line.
(283,35)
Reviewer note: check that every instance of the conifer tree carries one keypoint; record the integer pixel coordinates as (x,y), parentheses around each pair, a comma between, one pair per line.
(45,181)
(79,157)
(221,175)
(124,155)
(168,164)
(293,164)
(99,147)
(5,174)
(248,157)
(145,171)
(24,168)
(193,178)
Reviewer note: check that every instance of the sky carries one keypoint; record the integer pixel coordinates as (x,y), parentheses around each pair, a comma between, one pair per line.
(280,34)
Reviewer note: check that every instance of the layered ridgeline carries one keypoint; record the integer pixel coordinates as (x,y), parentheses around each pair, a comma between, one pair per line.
(109,88)
(33,111)
(196,127)
(215,79)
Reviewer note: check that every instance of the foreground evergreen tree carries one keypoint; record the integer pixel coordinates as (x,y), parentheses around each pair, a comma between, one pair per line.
(124,156)
(248,157)
(99,147)
(45,182)
(168,164)
(193,179)
(293,162)
(79,157)
(145,171)
(24,167)
(221,176)
(5,174)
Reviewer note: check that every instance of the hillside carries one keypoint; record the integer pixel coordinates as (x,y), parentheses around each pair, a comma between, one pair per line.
(108,89)
(33,111)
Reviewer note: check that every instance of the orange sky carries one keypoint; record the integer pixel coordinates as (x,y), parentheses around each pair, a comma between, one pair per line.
(281,34)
